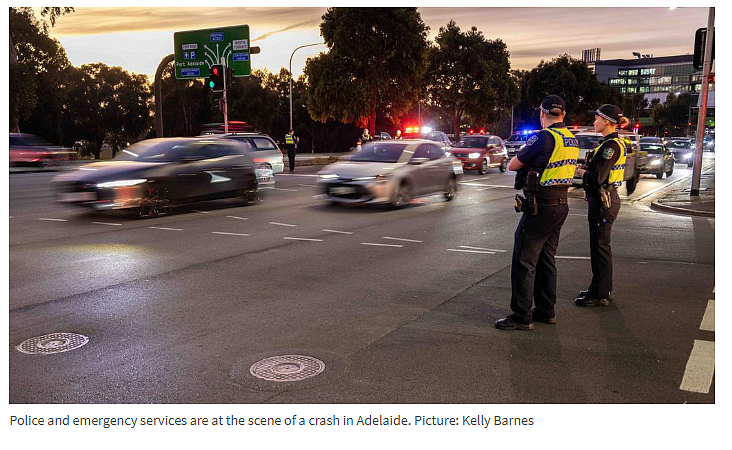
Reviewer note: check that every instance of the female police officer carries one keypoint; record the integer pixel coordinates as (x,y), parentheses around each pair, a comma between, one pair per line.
(550,157)
(601,179)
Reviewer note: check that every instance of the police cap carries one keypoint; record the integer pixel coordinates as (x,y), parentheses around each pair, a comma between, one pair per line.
(608,112)
(552,105)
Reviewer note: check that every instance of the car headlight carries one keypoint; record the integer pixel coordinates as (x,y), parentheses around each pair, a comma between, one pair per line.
(655,162)
(687,156)
(121,183)
(329,176)
(474,155)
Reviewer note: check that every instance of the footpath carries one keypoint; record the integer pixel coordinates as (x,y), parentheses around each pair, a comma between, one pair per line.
(676,199)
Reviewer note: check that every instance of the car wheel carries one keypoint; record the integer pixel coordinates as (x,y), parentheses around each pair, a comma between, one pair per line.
(450,189)
(402,196)
(670,172)
(250,192)
(483,167)
(504,165)
(157,202)
(659,175)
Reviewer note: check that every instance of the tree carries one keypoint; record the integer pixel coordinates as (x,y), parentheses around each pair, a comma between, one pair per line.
(572,80)
(37,69)
(107,103)
(376,57)
(186,104)
(469,75)
(672,116)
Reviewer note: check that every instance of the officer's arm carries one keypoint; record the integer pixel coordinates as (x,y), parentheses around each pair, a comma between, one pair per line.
(535,145)
(515,164)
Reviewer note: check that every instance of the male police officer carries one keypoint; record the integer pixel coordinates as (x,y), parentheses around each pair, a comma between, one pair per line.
(545,167)
(290,145)
(366,136)
(602,177)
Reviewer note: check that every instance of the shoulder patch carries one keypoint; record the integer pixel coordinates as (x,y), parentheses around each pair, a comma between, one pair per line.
(608,152)
(531,140)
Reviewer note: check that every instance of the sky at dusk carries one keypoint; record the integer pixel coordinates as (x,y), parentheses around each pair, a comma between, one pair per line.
(137,38)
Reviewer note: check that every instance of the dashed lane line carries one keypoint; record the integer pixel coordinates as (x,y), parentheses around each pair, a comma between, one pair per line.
(381,245)
(229,234)
(707,323)
(108,223)
(279,189)
(302,239)
(700,368)
(202,212)
(239,218)
(572,257)
(400,239)
(296,175)
(282,224)
(308,185)
(166,228)
(484,249)
(53,220)
(336,231)
(470,251)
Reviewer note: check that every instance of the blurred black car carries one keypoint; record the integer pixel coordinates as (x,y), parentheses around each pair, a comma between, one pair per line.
(153,175)
(682,149)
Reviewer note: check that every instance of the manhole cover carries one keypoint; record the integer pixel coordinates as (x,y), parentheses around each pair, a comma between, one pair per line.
(287,368)
(52,343)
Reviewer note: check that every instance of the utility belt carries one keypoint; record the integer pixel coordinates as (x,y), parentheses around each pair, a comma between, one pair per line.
(530,203)
(604,193)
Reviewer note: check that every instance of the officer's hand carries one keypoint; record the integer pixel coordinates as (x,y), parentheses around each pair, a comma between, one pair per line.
(579,172)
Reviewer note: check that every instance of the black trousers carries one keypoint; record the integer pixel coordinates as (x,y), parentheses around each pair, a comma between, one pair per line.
(601,255)
(291,156)
(533,270)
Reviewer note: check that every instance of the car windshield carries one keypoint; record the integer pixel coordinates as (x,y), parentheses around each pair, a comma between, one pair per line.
(159,151)
(379,152)
(652,149)
(473,142)
(588,142)
(518,137)
(650,139)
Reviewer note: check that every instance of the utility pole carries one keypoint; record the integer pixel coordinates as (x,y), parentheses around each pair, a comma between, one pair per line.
(159,94)
(696,174)
(290,72)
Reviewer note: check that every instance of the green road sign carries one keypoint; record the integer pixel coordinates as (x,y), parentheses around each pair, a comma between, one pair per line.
(197,50)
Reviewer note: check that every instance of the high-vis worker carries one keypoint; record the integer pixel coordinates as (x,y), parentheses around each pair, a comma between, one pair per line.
(601,179)
(545,168)
(291,146)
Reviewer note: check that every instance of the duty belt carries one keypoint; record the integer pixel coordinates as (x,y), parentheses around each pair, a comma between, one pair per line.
(552,202)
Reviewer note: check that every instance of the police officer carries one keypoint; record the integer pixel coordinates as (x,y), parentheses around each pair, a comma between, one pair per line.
(545,167)
(291,146)
(398,134)
(366,137)
(601,178)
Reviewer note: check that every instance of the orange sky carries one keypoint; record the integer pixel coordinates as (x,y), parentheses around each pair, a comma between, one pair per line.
(138,38)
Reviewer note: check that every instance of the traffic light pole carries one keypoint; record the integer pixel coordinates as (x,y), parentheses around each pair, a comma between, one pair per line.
(226,104)
(701,125)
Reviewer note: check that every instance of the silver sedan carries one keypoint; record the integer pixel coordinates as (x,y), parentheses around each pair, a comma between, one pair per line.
(392,172)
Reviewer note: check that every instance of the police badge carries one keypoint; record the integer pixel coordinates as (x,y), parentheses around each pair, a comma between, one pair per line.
(608,152)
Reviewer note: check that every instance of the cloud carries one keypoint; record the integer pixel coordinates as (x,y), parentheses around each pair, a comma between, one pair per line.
(305,24)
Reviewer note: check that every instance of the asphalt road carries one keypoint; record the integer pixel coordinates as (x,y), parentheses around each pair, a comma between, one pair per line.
(178,308)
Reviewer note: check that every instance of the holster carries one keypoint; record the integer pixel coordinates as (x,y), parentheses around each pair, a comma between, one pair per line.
(527,204)
(605,198)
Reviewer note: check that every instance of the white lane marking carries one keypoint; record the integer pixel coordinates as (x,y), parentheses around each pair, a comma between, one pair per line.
(582,215)
(108,223)
(336,231)
(240,218)
(400,239)
(167,229)
(320,196)
(282,224)
(715,287)
(229,234)
(308,185)
(53,220)
(279,189)
(302,239)
(485,185)
(199,211)
(572,257)
(296,175)
(700,368)
(642,262)
(381,245)
(707,323)
(470,251)
(485,249)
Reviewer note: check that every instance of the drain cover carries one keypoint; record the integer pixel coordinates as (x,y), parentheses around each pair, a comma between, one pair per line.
(287,368)
(52,343)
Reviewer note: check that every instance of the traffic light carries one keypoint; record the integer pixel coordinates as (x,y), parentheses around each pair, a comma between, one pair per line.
(216,78)
(700,38)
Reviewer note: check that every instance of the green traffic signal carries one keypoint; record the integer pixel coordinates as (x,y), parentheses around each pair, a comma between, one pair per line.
(216,77)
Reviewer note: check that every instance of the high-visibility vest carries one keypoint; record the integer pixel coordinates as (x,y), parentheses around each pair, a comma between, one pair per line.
(365,137)
(560,170)
(617,173)
(289,139)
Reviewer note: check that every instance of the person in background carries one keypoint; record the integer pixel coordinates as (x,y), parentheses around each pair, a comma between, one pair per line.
(291,145)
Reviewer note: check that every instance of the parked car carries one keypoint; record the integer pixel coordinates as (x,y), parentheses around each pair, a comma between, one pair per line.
(265,151)
(682,149)
(31,150)
(479,152)
(660,160)
(153,175)
(635,158)
(392,172)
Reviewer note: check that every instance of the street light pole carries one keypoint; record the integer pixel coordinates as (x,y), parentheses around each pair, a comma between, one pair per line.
(290,72)
(696,170)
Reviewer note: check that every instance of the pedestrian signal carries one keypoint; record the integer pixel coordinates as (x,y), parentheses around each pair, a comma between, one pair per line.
(216,78)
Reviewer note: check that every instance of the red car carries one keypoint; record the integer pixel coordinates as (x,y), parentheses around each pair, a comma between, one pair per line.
(31,150)
(479,152)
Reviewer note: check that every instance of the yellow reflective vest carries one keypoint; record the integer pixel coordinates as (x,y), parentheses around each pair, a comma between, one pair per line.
(560,170)
(617,173)
(289,139)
